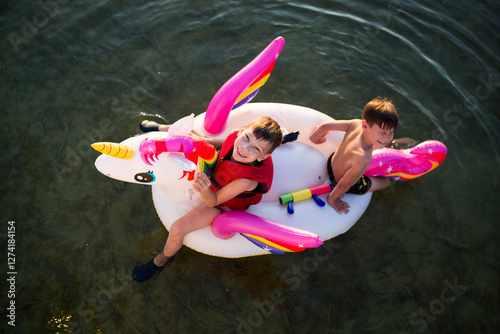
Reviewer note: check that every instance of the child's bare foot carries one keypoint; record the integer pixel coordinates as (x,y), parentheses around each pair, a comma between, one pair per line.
(148,126)
(402,143)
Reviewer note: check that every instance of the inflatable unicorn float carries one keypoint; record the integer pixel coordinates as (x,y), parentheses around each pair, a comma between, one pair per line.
(167,161)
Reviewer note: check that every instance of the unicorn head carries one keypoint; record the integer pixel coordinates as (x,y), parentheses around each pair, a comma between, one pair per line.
(155,158)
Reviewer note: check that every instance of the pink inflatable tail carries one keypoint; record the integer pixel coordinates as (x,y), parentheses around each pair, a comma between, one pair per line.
(407,164)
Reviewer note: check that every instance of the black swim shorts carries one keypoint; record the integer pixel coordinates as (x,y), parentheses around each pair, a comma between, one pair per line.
(359,188)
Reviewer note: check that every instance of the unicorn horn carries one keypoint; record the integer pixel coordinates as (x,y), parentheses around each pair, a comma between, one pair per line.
(120,151)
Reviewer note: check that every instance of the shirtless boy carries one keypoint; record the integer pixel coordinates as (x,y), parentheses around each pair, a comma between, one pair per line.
(348,163)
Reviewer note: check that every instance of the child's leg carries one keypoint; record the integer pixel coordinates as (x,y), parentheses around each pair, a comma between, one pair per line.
(402,143)
(199,217)
(148,126)
(379,183)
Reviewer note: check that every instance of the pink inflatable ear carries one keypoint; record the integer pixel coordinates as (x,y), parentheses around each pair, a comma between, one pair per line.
(407,164)
(242,87)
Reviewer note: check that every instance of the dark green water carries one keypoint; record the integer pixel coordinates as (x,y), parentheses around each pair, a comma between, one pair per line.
(424,258)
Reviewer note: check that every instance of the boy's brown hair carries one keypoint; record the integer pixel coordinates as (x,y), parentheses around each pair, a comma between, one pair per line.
(266,128)
(382,112)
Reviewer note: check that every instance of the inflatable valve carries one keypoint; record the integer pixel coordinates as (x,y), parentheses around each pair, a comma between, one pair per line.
(304,194)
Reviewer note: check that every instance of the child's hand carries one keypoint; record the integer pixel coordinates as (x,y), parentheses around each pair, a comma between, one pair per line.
(201,182)
(196,135)
(318,136)
(339,205)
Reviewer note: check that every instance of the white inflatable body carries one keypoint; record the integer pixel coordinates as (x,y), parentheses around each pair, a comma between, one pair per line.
(297,165)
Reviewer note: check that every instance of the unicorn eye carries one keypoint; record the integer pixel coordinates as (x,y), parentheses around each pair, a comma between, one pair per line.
(145,177)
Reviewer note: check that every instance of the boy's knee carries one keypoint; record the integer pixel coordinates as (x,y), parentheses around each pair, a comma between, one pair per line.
(379,183)
(176,230)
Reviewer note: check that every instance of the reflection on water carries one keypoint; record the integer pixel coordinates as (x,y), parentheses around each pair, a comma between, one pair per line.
(423,258)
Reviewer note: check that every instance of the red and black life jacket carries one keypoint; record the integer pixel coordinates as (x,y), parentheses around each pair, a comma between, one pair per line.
(227,170)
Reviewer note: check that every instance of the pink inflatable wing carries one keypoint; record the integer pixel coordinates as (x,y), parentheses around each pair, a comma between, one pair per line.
(402,165)
(242,87)
(276,238)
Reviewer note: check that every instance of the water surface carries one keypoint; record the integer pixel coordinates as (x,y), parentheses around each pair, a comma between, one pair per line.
(423,258)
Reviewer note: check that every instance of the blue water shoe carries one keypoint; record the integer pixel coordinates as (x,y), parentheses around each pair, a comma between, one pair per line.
(149,270)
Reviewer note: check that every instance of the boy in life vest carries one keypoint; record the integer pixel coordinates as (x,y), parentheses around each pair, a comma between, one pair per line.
(243,172)
(349,161)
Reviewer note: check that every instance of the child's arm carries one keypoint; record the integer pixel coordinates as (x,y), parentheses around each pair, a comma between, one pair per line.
(231,190)
(216,142)
(350,177)
(319,133)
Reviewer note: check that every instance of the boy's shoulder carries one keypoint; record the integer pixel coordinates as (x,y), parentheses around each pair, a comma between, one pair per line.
(353,128)
(354,143)
(353,124)
(356,122)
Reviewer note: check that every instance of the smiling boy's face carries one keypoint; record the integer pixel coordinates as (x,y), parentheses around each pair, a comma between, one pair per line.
(380,137)
(247,148)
